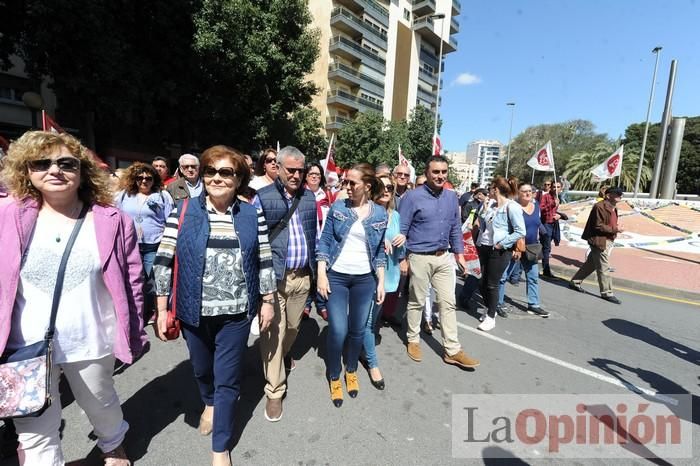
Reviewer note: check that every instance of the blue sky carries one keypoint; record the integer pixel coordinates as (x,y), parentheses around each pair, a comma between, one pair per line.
(566,59)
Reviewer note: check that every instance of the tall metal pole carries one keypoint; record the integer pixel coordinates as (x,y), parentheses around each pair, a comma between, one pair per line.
(657,51)
(668,183)
(510,134)
(440,16)
(665,122)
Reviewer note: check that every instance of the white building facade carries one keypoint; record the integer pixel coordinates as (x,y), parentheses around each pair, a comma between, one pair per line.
(485,154)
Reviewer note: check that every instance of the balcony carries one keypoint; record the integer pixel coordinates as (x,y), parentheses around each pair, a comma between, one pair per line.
(451,45)
(423,7)
(354,51)
(456,7)
(454,26)
(352,102)
(344,74)
(346,21)
(336,122)
(426,27)
(371,7)
(428,77)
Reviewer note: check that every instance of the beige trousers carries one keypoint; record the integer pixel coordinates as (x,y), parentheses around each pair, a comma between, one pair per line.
(439,272)
(276,342)
(598,261)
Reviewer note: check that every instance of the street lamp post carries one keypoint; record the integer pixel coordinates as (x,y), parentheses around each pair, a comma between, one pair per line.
(510,134)
(437,102)
(656,51)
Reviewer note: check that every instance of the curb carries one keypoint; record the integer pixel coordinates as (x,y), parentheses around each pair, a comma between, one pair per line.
(692,296)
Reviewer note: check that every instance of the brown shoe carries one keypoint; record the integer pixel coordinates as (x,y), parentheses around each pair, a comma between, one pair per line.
(273,409)
(414,352)
(461,359)
(116,457)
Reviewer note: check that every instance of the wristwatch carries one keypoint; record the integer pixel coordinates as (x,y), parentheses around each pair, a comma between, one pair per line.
(268,301)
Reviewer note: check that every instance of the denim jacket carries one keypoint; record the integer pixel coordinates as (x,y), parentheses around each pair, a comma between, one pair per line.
(338,223)
(501,228)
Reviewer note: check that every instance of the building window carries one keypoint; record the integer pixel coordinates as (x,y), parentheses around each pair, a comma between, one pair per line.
(406,15)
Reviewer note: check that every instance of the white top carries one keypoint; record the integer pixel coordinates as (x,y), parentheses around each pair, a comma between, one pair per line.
(86,320)
(486,235)
(354,258)
(259,182)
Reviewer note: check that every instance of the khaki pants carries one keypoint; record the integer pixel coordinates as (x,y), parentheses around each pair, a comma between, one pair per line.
(597,261)
(276,342)
(440,273)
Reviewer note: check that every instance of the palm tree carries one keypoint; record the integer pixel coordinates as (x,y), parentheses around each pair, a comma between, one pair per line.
(578,169)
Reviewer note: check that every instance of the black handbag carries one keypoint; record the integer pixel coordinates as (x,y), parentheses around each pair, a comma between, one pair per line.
(533,252)
(25,373)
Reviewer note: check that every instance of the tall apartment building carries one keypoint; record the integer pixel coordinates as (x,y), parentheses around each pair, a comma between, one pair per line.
(379,55)
(463,167)
(485,154)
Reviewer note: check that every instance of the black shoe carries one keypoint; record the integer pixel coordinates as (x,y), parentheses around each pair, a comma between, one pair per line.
(538,311)
(378,384)
(612,299)
(576,287)
(547,273)
(502,312)
(289,364)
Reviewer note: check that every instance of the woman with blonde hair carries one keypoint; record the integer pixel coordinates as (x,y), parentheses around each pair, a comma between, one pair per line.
(55,187)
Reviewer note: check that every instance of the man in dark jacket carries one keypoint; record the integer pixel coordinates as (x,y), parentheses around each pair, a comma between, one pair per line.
(190,184)
(294,260)
(601,230)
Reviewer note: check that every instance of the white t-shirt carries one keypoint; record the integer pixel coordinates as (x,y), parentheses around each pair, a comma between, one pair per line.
(486,236)
(258,182)
(354,257)
(86,320)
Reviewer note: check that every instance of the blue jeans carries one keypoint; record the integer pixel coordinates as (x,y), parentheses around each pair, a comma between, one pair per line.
(516,272)
(318,300)
(148,255)
(217,348)
(546,241)
(369,339)
(349,306)
(532,277)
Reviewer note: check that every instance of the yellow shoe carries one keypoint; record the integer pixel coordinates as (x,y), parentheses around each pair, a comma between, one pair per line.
(352,384)
(336,393)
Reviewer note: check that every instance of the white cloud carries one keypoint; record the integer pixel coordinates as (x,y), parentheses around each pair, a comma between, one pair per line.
(466,79)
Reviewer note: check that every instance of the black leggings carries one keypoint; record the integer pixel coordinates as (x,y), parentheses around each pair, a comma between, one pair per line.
(493,263)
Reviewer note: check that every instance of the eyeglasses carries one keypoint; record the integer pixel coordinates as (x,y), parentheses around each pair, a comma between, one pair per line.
(144,178)
(389,188)
(403,175)
(438,172)
(224,172)
(189,167)
(271,160)
(65,164)
(313,174)
(292,171)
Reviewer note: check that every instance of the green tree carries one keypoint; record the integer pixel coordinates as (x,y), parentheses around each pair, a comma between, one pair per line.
(191,72)
(360,140)
(304,132)
(421,123)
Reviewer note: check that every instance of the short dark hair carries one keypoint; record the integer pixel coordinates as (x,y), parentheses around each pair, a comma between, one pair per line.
(615,190)
(219,152)
(160,158)
(320,168)
(435,159)
(474,185)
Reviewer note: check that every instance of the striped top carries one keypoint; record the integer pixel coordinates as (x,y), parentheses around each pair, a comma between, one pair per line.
(223,283)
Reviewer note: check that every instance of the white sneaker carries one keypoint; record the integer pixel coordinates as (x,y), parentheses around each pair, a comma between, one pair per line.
(489,323)
(255,326)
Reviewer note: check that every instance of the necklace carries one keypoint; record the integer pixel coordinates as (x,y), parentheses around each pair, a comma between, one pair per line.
(71,216)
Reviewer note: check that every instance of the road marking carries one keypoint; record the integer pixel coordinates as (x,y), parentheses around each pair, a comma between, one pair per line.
(573,367)
(661,259)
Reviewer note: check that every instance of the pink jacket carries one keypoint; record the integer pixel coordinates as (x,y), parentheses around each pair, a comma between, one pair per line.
(121,265)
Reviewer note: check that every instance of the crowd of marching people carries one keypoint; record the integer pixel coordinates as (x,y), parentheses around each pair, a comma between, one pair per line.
(231,246)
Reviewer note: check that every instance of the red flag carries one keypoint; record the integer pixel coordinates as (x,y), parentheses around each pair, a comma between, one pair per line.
(403,160)
(4,146)
(330,170)
(437,145)
(543,159)
(49,124)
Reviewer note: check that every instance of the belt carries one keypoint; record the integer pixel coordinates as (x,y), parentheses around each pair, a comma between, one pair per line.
(438,252)
(300,270)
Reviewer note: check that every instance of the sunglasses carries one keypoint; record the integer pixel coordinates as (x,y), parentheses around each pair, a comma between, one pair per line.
(389,188)
(292,171)
(144,178)
(189,167)
(224,172)
(313,174)
(402,175)
(271,160)
(65,164)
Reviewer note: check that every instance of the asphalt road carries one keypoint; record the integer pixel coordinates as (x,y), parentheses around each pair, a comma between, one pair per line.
(587,346)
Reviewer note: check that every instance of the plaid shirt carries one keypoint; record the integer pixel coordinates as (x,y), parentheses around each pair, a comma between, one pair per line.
(297,250)
(548,206)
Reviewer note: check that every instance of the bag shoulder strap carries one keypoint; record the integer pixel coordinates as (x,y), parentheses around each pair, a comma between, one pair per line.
(181,220)
(283,223)
(61,273)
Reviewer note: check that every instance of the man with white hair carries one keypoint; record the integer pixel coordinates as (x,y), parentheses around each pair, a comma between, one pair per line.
(189,185)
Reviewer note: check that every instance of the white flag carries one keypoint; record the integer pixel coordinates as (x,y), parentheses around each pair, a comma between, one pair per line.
(543,160)
(611,168)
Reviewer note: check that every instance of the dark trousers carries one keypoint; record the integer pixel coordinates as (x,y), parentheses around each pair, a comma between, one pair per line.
(349,305)
(493,264)
(217,348)
(546,241)
(148,255)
